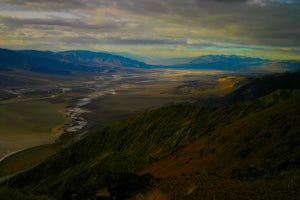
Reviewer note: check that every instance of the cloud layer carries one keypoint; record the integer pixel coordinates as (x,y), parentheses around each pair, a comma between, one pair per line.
(264,28)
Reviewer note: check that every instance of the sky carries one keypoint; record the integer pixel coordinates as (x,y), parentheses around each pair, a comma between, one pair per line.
(155,28)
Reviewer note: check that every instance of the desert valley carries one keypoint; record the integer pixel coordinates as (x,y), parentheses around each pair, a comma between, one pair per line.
(149,100)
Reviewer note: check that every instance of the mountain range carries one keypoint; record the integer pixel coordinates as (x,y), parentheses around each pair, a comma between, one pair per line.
(223,62)
(248,148)
(77,61)
(63,63)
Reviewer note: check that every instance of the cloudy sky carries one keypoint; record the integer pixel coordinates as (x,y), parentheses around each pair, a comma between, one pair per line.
(157,28)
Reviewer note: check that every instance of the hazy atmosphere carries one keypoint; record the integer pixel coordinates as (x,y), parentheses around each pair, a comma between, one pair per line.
(171,28)
(149,99)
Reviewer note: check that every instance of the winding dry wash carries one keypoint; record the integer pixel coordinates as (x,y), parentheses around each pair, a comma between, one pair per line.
(82,100)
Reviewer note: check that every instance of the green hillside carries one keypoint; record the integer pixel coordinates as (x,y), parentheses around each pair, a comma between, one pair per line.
(263,144)
(256,157)
(131,145)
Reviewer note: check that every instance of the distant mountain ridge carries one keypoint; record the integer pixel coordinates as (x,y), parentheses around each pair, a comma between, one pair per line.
(88,58)
(74,61)
(63,63)
(223,62)
(236,63)
(11,60)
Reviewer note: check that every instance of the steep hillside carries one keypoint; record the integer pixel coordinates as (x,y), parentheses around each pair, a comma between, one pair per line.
(256,157)
(131,145)
(254,87)
(264,143)
(264,85)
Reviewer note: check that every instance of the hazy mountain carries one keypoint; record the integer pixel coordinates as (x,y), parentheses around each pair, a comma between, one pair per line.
(131,56)
(176,61)
(254,139)
(88,58)
(63,63)
(11,60)
(70,62)
(223,62)
(156,60)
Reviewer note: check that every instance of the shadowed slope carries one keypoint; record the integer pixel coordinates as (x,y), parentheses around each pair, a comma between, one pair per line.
(265,143)
(264,85)
(257,157)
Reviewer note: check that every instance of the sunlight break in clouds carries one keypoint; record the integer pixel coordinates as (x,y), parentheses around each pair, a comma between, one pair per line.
(265,2)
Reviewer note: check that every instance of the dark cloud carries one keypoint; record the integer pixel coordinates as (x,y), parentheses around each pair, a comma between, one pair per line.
(228,1)
(133,5)
(81,40)
(67,24)
(47,5)
(163,41)
(275,26)
(224,1)
(121,41)
(151,6)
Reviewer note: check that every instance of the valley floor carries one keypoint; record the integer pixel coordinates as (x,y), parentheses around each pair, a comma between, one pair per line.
(67,109)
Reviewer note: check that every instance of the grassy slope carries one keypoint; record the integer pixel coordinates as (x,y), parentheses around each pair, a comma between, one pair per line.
(27,159)
(263,85)
(33,116)
(12,194)
(132,145)
(29,123)
(267,142)
(257,157)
